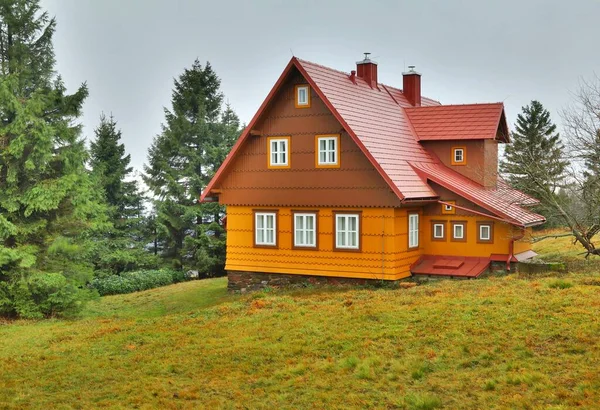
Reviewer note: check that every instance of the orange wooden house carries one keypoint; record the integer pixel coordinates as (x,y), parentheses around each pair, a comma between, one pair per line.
(340,176)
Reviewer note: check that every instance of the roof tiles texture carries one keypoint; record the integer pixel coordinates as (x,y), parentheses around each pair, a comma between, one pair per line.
(456,122)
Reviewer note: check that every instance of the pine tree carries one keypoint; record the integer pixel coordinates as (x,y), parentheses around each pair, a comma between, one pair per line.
(47,200)
(535,141)
(120,248)
(196,137)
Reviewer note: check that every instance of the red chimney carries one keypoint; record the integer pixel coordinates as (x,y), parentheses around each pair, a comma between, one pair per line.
(367,70)
(411,86)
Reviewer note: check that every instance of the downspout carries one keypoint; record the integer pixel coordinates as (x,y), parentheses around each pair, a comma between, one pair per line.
(511,248)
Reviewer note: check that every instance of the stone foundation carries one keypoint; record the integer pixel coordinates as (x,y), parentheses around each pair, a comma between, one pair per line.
(250,281)
(500,267)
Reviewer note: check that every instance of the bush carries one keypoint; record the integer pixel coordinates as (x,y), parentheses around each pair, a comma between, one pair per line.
(129,282)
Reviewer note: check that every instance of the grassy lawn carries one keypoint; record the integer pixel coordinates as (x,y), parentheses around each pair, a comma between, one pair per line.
(502,342)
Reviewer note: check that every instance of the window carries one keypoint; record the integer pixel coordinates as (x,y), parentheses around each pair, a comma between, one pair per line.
(265,228)
(302,96)
(347,231)
(327,151)
(278,149)
(448,209)
(459,231)
(413,230)
(305,230)
(459,156)
(438,230)
(485,232)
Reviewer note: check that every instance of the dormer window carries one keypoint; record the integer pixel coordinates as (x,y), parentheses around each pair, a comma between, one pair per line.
(459,156)
(302,98)
(278,151)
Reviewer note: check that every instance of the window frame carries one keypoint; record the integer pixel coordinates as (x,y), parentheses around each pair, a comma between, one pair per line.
(491,230)
(255,214)
(453,238)
(288,145)
(450,212)
(337,139)
(358,214)
(464,156)
(412,214)
(297,103)
(315,214)
(444,230)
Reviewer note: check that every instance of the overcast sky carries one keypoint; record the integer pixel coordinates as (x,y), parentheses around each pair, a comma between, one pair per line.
(468,51)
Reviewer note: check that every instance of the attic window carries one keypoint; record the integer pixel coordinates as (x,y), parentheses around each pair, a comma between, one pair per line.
(278,151)
(448,209)
(459,156)
(328,151)
(302,99)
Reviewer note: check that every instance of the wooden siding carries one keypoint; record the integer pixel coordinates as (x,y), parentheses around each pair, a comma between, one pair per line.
(249,181)
(383,255)
(481,155)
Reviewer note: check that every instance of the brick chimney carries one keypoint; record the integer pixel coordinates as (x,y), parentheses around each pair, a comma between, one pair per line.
(367,70)
(411,86)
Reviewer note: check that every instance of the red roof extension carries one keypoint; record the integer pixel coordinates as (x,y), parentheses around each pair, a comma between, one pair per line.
(459,122)
(379,121)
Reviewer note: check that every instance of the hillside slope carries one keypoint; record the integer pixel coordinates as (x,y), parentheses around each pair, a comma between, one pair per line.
(494,343)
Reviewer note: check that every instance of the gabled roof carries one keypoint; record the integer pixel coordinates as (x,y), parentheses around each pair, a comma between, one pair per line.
(378,120)
(459,122)
(494,200)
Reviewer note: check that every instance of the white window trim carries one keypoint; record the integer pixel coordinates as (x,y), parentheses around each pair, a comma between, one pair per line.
(305,230)
(413,230)
(434,231)
(347,232)
(462,230)
(265,229)
(336,150)
(306,89)
(489,232)
(286,151)
(462,155)
(448,208)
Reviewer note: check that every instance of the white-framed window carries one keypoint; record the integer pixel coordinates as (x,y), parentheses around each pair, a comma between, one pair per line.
(458,231)
(328,147)
(305,225)
(302,96)
(485,232)
(438,231)
(448,208)
(347,231)
(265,225)
(459,155)
(413,230)
(279,152)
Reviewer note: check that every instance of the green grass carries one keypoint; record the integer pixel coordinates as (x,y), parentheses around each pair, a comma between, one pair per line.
(502,342)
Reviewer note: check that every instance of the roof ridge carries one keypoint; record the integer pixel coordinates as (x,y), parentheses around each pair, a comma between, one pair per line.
(455,105)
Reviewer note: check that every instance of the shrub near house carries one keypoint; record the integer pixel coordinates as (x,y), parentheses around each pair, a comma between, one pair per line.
(338,175)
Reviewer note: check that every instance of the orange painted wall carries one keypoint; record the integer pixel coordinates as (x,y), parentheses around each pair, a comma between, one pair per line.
(524,244)
(383,255)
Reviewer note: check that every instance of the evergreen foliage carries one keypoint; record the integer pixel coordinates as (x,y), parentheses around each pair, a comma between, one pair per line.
(120,248)
(534,162)
(197,135)
(48,206)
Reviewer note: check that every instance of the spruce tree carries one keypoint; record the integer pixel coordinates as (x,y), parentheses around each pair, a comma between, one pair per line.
(535,141)
(121,246)
(47,201)
(196,137)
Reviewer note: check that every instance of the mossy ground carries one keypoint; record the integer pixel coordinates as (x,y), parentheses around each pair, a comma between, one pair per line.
(512,341)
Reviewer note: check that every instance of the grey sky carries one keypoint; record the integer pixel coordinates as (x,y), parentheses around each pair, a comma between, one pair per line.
(468,51)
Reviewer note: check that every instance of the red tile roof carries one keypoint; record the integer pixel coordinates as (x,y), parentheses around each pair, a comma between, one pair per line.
(458,122)
(494,200)
(386,127)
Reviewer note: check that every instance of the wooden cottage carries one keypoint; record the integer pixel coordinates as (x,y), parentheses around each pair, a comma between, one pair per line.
(340,176)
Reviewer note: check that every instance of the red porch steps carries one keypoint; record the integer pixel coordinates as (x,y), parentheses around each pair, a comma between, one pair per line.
(450,266)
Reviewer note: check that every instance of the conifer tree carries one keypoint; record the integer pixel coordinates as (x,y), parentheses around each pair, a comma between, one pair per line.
(535,141)
(196,137)
(46,196)
(120,247)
